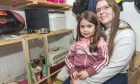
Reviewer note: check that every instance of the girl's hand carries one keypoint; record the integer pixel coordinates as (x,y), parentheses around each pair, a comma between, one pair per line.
(83,74)
(74,75)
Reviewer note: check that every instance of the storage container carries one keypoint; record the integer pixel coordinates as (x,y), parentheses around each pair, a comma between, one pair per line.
(57,21)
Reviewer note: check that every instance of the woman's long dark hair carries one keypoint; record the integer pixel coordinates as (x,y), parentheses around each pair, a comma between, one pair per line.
(115,24)
(92,18)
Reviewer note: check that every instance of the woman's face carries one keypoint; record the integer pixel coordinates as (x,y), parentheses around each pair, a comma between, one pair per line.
(104,12)
(87,29)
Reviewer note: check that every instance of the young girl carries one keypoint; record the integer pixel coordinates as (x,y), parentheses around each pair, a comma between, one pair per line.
(89,53)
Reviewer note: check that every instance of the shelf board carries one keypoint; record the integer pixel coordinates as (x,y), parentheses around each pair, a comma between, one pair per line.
(14,2)
(53,33)
(25,4)
(10,41)
(49,76)
(33,36)
(23,37)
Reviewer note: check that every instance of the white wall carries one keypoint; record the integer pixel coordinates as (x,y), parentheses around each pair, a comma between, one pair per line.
(10,62)
(70,2)
(130,15)
(71,22)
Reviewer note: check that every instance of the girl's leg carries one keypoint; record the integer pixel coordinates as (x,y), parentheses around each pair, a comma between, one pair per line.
(120,78)
(73,81)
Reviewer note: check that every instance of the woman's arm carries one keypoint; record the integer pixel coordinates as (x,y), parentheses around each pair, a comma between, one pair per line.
(123,52)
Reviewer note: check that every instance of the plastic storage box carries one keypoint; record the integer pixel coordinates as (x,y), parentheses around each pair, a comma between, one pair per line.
(57,21)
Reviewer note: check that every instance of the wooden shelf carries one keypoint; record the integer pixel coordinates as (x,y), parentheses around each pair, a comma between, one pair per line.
(48,76)
(33,36)
(14,2)
(59,32)
(11,41)
(25,4)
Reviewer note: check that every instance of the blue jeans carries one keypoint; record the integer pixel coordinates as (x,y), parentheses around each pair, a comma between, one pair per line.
(67,81)
(120,78)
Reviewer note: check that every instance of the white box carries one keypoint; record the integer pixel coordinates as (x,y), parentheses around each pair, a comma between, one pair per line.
(56,55)
(57,21)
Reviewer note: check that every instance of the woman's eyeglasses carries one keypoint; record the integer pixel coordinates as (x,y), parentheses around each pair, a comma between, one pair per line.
(104,8)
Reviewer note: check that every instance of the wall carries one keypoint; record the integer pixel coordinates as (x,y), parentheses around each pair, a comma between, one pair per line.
(71,22)
(70,2)
(133,18)
(10,61)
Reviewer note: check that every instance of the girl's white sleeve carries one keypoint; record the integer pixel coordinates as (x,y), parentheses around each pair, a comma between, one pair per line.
(119,62)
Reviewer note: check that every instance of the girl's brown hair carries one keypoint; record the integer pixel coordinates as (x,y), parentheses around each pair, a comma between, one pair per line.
(115,24)
(92,18)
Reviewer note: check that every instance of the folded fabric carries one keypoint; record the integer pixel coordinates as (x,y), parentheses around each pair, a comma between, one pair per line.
(63,74)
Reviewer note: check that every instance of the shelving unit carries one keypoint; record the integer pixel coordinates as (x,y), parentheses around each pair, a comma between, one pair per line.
(24,40)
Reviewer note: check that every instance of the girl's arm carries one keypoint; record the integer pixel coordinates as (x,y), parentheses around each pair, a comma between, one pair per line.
(70,58)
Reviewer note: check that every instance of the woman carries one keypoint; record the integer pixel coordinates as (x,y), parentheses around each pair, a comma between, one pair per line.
(121,44)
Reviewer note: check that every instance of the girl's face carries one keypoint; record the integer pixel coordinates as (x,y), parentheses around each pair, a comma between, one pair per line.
(87,29)
(104,12)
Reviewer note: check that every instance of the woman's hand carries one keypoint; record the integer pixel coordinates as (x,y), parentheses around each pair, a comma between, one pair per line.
(83,74)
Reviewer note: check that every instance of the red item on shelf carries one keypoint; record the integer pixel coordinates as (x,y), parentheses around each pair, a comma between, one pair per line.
(23,82)
(57,1)
(56,67)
